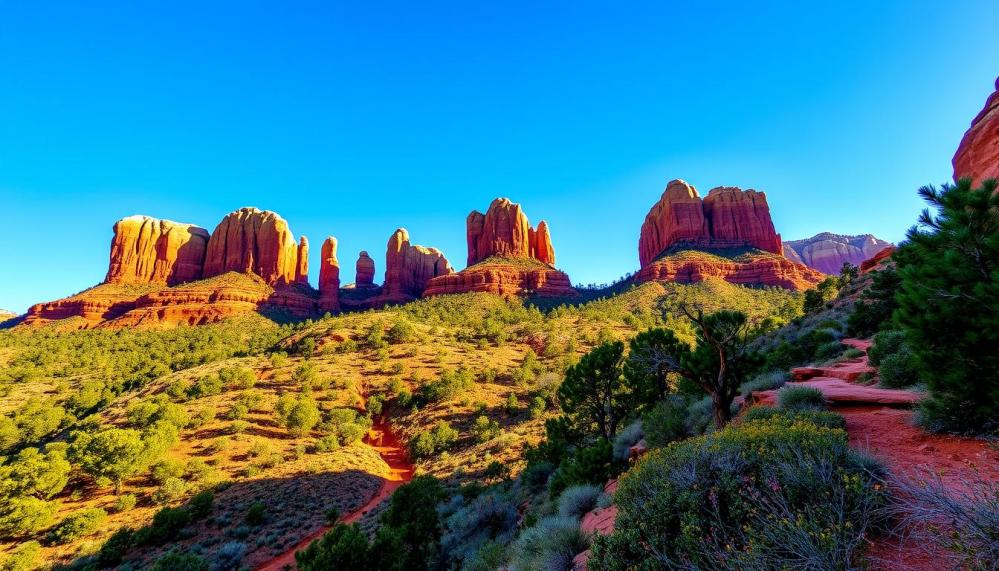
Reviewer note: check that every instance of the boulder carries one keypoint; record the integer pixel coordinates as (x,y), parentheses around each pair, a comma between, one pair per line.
(329,277)
(827,252)
(253,241)
(408,268)
(504,231)
(365,270)
(727,218)
(978,154)
(150,250)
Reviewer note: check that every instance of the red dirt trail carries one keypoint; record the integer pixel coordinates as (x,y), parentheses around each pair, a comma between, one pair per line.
(387,444)
(880,423)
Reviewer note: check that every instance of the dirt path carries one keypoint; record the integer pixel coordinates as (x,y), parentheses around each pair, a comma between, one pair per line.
(880,422)
(387,444)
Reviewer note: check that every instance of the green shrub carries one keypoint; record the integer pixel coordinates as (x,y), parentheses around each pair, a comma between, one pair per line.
(180,561)
(343,547)
(429,442)
(78,524)
(166,469)
(898,370)
(797,397)
(593,464)
(200,505)
(165,527)
(402,331)
(764,382)
(115,548)
(124,503)
(666,422)
(823,418)
(484,429)
(20,516)
(256,514)
(24,557)
(237,377)
(468,523)
(766,494)
(575,501)
(551,544)
(885,343)
(171,490)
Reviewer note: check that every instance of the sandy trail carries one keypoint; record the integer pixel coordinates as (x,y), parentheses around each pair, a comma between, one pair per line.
(387,444)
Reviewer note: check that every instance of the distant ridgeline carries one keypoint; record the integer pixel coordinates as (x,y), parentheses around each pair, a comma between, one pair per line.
(165,273)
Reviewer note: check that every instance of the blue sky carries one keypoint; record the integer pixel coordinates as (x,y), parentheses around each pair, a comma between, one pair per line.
(353,119)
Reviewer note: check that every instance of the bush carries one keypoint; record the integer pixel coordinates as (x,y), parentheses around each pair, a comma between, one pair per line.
(625,439)
(575,501)
(200,505)
(165,527)
(885,343)
(448,386)
(590,465)
(229,556)
(402,331)
(429,442)
(179,561)
(764,382)
(256,514)
(666,422)
(124,503)
(766,494)
(796,397)
(238,377)
(343,547)
(78,524)
(551,544)
(171,490)
(484,429)
(115,548)
(898,370)
(823,418)
(21,516)
(488,517)
(24,557)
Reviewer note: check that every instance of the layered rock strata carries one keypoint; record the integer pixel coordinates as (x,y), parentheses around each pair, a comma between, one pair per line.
(827,252)
(254,241)
(150,250)
(978,154)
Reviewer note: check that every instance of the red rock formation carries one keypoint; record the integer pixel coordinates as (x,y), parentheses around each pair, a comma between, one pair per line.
(827,252)
(408,268)
(149,250)
(302,264)
(329,277)
(875,261)
(91,307)
(978,154)
(503,279)
(504,231)
(727,218)
(253,241)
(765,269)
(541,244)
(365,271)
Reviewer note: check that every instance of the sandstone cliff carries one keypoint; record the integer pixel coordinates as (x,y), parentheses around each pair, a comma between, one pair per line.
(827,252)
(149,250)
(978,154)
(504,231)
(727,218)
(408,268)
(253,241)
(365,268)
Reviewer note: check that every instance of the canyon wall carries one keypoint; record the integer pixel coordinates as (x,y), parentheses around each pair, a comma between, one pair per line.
(827,252)
(978,154)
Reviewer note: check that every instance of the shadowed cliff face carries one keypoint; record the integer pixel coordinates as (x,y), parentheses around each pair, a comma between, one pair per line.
(150,250)
(978,154)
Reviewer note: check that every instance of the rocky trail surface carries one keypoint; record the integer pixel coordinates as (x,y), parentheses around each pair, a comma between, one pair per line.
(384,441)
(880,423)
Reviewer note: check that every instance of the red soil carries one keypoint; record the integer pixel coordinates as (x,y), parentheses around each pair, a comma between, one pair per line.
(387,444)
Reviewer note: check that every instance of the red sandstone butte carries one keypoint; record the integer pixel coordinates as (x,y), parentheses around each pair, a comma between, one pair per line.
(727,218)
(150,250)
(763,269)
(329,277)
(505,256)
(253,241)
(408,268)
(978,154)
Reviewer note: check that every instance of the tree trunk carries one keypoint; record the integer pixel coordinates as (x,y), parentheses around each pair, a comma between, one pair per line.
(722,410)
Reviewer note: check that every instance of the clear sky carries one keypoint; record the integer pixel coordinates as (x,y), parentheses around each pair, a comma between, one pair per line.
(354,118)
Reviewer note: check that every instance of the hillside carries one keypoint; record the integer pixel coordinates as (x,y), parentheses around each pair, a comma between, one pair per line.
(447,359)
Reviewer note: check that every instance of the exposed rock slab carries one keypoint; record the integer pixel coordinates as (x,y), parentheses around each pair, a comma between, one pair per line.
(150,250)
(747,269)
(978,154)
(504,277)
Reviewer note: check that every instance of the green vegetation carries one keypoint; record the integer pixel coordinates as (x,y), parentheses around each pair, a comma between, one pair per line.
(947,300)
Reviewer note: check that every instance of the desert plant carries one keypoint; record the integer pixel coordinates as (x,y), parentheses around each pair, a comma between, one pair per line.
(343,547)
(593,394)
(666,422)
(575,501)
(797,397)
(488,517)
(78,524)
(550,545)
(626,438)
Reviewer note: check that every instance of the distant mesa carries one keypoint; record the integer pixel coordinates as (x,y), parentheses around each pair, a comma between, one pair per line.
(827,252)
(978,154)
(728,234)
(506,256)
